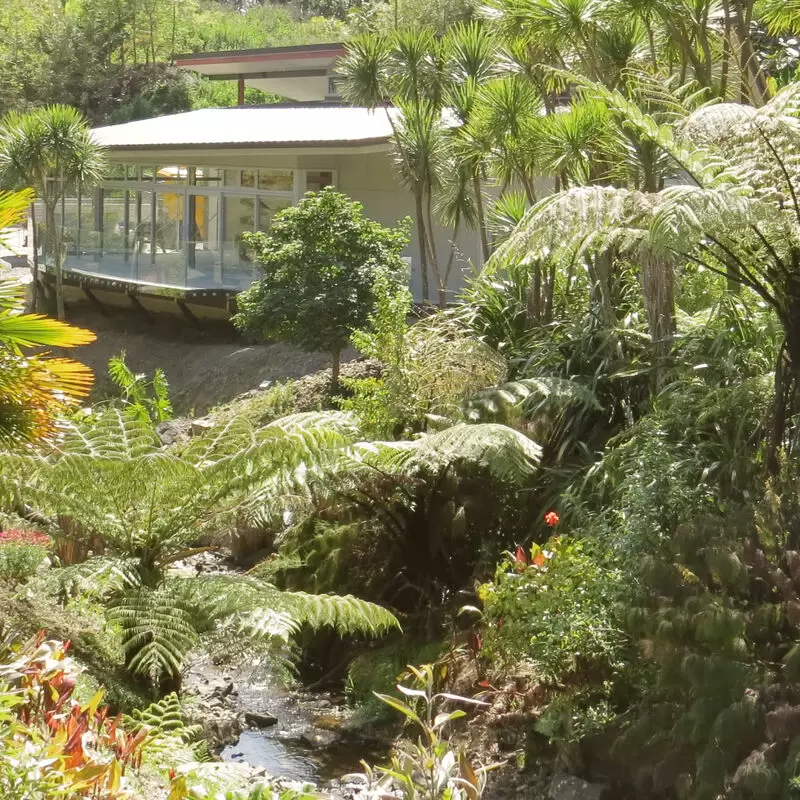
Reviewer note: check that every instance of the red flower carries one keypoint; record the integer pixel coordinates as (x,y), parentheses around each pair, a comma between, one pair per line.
(551,519)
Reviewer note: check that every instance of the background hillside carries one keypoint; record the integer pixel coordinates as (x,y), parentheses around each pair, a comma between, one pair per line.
(112,58)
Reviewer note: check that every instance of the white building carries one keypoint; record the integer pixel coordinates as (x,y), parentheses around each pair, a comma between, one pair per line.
(168,220)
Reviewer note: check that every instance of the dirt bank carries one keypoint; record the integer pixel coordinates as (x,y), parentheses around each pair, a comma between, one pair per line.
(204,367)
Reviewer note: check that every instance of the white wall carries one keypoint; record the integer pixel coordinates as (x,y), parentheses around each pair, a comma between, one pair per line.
(365,176)
(369,178)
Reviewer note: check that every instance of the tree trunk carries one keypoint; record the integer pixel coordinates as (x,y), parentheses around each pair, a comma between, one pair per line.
(778,421)
(336,356)
(437,273)
(476,183)
(658,295)
(753,78)
(35,242)
(422,238)
(54,250)
(448,268)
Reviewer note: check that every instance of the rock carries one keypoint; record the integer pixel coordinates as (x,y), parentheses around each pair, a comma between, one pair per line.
(258,719)
(220,731)
(202,425)
(568,787)
(318,739)
(328,722)
(224,690)
(175,430)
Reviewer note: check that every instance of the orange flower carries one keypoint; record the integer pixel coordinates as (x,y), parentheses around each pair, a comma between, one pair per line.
(551,519)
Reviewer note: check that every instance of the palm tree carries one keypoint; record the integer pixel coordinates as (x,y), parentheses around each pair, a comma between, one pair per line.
(406,70)
(52,151)
(34,389)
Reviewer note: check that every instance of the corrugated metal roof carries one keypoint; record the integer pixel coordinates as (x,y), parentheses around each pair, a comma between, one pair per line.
(264,126)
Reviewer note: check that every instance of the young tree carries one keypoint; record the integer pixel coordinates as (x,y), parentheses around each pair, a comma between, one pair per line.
(319,264)
(50,150)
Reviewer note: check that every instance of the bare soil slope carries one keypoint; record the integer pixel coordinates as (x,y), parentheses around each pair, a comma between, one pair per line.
(204,367)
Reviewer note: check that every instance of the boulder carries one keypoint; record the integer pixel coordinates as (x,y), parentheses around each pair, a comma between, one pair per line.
(318,739)
(568,787)
(173,431)
(259,719)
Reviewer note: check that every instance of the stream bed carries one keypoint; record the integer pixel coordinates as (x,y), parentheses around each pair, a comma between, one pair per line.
(296,734)
(315,738)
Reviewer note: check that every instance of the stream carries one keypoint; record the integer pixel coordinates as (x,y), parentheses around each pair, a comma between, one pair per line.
(314,737)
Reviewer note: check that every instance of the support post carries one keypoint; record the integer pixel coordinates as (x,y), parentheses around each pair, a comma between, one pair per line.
(241,90)
(188,314)
(139,307)
(92,298)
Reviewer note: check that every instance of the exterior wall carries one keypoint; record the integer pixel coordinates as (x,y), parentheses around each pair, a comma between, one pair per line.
(370,179)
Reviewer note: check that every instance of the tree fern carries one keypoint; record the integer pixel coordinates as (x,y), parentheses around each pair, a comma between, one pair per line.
(157,631)
(111,479)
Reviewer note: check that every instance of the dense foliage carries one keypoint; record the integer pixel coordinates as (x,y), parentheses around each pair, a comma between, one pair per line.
(579,486)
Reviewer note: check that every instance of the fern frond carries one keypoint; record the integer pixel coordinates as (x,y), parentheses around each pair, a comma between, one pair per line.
(574,223)
(260,610)
(163,718)
(97,577)
(541,392)
(111,434)
(157,631)
(504,452)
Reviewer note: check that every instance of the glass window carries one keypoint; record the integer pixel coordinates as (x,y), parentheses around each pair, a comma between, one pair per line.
(205,176)
(114,219)
(147,173)
(268,207)
(249,178)
(177,174)
(316,180)
(231,177)
(276,180)
(116,172)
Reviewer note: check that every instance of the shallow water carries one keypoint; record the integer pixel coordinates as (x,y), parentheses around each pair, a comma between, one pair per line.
(279,749)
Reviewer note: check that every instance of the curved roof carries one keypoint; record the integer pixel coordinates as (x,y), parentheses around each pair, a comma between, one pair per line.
(250,126)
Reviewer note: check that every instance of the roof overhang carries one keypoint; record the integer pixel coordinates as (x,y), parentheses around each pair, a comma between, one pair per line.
(299,72)
(264,129)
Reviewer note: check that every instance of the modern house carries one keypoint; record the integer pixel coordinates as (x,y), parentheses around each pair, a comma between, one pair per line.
(183,188)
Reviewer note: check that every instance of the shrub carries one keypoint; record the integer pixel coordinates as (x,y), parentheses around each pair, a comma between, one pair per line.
(51,745)
(555,610)
(21,554)
(318,268)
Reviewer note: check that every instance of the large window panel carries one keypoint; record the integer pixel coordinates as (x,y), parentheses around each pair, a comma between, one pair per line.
(239,217)
(268,207)
(204,264)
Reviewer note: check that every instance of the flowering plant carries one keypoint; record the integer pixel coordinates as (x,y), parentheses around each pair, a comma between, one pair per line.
(21,554)
(36,538)
(51,745)
(552,607)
